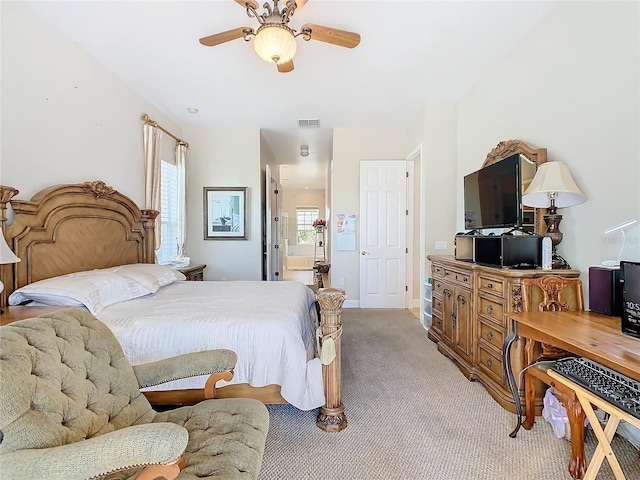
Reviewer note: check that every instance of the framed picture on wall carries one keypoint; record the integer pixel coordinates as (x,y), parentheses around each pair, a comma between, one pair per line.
(225,213)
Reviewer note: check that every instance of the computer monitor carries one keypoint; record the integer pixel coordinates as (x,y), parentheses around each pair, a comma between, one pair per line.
(630,276)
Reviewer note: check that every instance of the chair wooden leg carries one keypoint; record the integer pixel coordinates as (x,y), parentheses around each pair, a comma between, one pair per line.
(529,387)
(576,416)
(529,401)
(169,471)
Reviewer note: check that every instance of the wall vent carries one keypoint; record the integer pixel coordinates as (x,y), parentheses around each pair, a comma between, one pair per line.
(309,123)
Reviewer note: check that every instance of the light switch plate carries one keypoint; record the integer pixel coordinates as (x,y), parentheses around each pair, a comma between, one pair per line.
(441,245)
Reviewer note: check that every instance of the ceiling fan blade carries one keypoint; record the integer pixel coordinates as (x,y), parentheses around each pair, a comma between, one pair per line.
(253,3)
(299,4)
(332,35)
(285,67)
(218,38)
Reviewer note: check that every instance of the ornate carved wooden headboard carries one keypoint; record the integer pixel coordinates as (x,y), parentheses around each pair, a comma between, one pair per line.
(71,228)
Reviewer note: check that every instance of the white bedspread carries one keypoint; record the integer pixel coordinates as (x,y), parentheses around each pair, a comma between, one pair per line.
(270,325)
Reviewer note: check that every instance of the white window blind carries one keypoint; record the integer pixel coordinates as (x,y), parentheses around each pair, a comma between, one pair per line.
(168,213)
(305,216)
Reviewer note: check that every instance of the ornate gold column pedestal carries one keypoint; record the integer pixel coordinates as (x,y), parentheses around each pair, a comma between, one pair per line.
(331,417)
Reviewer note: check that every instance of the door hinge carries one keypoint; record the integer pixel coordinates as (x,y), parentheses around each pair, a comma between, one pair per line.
(406,288)
(407,174)
(276,246)
(407,212)
(406,250)
(276,191)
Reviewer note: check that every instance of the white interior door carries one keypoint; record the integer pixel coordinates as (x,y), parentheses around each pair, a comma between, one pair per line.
(383,231)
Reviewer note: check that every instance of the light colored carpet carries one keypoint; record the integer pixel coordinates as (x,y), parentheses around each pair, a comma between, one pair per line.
(412,415)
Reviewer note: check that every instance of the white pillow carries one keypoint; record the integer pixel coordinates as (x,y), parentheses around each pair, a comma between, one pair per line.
(149,275)
(95,290)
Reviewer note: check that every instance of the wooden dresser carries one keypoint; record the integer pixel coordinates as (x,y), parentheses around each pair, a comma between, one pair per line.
(470,303)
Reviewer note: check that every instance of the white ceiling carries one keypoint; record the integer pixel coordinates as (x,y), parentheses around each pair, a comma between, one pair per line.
(411,52)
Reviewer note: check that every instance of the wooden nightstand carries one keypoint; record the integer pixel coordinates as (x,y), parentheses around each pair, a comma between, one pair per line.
(194,273)
(13,314)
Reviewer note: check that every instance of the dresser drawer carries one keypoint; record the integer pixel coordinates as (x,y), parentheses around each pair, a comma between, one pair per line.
(491,309)
(438,287)
(437,322)
(437,271)
(491,334)
(460,278)
(436,305)
(490,363)
(491,285)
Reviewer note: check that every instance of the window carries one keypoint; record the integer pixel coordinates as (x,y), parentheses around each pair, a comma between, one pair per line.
(168,218)
(305,217)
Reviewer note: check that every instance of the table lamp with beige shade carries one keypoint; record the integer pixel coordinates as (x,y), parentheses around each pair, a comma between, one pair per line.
(6,256)
(553,187)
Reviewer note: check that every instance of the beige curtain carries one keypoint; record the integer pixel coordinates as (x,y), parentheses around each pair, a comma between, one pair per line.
(151,144)
(182,154)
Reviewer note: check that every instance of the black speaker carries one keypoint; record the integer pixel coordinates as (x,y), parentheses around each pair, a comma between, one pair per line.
(605,291)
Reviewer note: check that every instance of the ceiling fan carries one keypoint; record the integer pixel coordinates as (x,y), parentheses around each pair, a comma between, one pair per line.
(274,41)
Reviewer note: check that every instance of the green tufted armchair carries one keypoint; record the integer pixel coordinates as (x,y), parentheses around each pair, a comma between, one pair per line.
(71,408)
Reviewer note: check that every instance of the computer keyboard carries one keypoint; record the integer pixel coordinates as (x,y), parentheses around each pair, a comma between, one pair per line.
(608,384)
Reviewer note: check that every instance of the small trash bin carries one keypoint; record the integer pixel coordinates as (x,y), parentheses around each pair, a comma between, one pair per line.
(555,413)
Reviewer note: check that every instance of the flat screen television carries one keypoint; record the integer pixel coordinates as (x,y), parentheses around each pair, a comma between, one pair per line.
(493,196)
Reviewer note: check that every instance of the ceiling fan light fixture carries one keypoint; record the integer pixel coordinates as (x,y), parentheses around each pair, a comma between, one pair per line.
(275,43)
(304,150)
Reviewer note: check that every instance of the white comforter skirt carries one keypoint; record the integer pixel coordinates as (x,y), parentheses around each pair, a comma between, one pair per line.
(270,325)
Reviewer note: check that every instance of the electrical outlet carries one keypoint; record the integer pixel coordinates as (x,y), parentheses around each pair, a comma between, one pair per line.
(440,245)
(341,281)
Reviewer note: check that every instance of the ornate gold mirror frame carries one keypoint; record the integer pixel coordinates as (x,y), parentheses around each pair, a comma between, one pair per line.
(536,156)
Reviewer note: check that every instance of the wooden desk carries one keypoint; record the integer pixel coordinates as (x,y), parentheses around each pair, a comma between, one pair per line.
(588,334)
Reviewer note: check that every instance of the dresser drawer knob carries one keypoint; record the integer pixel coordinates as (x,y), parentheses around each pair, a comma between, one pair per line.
(489,362)
(489,285)
(465,279)
(490,309)
(489,335)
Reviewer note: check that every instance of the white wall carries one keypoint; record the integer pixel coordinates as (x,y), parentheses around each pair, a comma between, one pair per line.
(225,158)
(571,86)
(65,118)
(350,145)
(435,129)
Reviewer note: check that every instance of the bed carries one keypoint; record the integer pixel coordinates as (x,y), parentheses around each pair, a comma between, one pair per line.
(68,229)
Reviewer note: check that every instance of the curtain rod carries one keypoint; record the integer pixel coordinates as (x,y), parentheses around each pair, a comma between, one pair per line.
(145,118)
